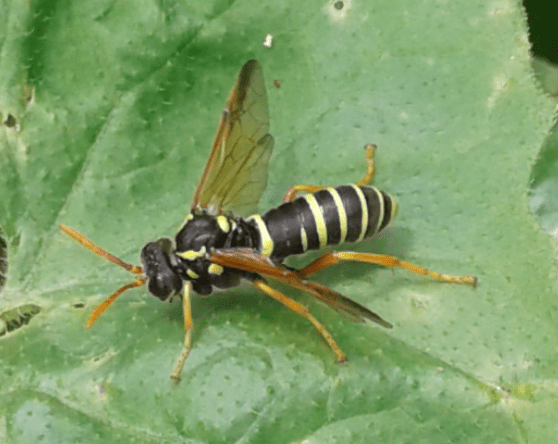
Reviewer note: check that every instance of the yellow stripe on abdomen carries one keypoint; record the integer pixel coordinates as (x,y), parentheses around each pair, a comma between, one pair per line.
(318,218)
(341,211)
(364,207)
(266,243)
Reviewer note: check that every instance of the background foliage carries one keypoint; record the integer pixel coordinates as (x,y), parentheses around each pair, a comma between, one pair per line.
(109,109)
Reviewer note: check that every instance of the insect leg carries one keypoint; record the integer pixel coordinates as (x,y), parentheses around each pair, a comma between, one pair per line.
(188,327)
(369,149)
(335,257)
(302,311)
(294,190)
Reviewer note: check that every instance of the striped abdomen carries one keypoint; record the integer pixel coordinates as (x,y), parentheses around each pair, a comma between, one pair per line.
(348,213)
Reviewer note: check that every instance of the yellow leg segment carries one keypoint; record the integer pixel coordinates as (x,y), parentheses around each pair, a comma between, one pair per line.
(188,327)
(370,159)
(329,259)
(260,284)
(294,190)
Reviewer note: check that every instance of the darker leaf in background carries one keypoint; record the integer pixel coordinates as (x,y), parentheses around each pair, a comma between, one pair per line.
(541,17)
(116,104)
(3,260)
(544,184)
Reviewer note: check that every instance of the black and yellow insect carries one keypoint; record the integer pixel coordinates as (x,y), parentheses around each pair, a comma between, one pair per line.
(218,246)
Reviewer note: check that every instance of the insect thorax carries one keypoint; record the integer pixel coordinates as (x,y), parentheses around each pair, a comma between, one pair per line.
(167,266)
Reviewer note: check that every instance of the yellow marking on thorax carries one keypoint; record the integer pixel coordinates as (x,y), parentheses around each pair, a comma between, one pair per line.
(215,269)
(341,211)
(303,239)
(186,220)
(192,274)
(266,248)
(318,217)
(191,255)
(223,224)
(364,207)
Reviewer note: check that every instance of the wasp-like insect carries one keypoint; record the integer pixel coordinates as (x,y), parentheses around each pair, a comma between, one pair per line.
(216,247)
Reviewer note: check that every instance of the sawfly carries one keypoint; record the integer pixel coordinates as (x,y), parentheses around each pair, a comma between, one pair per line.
(222,242)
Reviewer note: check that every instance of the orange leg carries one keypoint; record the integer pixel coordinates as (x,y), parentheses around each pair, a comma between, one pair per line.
(302,311)
(292,191)
(329,259)
(188,327)
(370,159)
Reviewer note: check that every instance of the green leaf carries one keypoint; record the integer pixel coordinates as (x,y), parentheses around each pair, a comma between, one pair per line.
(545,184)
(110,109)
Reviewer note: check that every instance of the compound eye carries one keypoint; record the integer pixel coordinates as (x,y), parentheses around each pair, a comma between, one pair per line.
(163,281)
(164,284)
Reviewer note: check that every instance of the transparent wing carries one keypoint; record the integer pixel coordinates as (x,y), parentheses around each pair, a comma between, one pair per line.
(247,260)
(235,175)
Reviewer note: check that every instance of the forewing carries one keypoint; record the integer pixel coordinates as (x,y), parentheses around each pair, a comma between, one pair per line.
(247,260)
(235,175)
